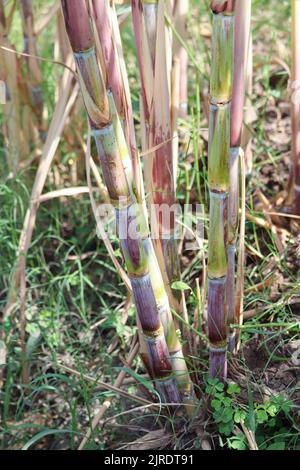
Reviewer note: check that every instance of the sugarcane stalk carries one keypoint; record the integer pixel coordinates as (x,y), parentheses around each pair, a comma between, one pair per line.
(241,48)
(221,81)
(34,75)
(155,71)
(295,164)
(148,290)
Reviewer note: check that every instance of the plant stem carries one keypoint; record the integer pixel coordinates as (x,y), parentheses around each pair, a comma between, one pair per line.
(219,180)
(180,11)
(148,290)
(241,48)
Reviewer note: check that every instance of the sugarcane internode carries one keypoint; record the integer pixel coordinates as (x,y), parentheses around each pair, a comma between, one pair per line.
(218,178)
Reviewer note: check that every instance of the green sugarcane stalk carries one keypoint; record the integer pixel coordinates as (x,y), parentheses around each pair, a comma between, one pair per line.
(148,290)
(218,180)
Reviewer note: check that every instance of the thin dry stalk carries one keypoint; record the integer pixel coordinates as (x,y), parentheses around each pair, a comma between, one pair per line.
(221,83)
(34,75)
(9,75)
(249,436)
(22,323)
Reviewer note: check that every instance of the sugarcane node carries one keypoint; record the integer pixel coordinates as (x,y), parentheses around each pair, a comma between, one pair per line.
(92,86)
(226,7)
(121,202)
(219,346)
(153,334)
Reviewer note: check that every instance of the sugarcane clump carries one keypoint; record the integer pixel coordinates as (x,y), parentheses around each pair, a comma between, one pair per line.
(164,352)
